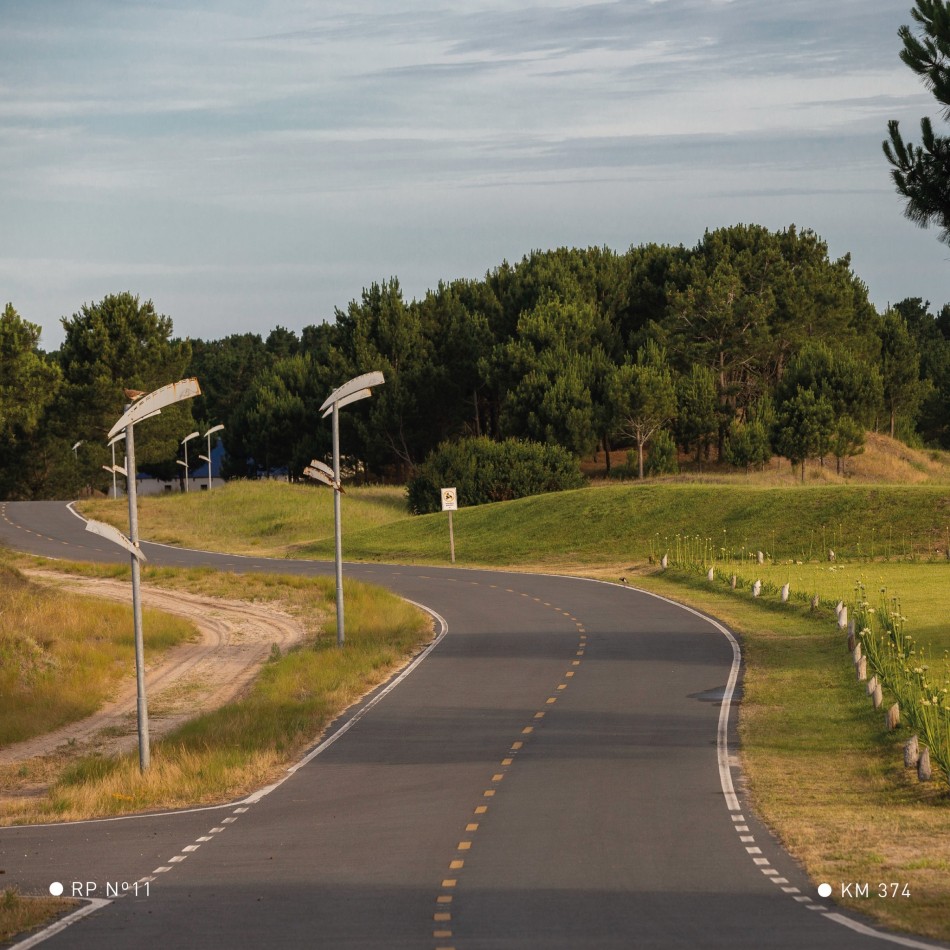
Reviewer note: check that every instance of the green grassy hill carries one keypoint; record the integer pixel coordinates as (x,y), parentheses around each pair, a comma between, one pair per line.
(630,522)
(606,524)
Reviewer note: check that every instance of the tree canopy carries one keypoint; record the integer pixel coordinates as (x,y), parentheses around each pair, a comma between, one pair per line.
(921,173)
(748,343)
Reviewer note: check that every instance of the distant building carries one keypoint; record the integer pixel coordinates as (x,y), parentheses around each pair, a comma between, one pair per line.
(197,478)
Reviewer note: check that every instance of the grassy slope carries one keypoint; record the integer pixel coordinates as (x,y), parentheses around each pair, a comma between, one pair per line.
(606,524)
(247,517)
(614,523)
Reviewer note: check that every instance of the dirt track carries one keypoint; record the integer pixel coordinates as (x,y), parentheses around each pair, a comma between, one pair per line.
(236,640)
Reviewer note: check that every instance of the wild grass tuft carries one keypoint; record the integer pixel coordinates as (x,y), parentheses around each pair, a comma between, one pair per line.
(19,914)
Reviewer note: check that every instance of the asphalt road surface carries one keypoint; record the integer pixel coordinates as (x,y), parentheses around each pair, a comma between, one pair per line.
(556,773)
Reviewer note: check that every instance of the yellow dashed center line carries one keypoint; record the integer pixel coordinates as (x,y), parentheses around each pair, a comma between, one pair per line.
(444,900)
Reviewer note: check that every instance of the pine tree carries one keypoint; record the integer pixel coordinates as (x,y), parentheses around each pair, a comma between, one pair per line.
(922,173)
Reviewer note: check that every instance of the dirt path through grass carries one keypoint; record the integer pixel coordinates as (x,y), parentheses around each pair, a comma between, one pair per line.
(236,639)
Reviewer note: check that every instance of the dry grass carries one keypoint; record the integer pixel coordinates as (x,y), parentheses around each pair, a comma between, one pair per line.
(19,914)
(884,460)
(62,654)
(248,743)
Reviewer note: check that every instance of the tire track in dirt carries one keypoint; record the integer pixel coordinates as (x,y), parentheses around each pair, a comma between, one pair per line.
(237,637)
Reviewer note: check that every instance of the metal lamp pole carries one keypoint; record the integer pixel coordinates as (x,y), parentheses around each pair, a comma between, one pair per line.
(185,442)
(207,457)
(360,387)
(115,469)
(143,408)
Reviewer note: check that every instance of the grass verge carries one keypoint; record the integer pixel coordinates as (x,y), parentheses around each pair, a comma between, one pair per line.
(822,770)
(19,914)
(247,743)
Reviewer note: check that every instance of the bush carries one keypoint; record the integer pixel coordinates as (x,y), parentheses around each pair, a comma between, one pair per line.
(484,471)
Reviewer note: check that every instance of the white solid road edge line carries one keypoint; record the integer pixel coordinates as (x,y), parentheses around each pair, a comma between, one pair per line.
(353,720)
(95,903)
(726,776)
(871,932)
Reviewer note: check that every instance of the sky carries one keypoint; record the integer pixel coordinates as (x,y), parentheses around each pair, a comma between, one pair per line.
(252,163)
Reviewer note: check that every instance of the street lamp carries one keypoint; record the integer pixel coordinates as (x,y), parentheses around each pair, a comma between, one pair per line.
(76,449)
(141,408)
(185,442)
(115,468)
(360,387)
(207,457)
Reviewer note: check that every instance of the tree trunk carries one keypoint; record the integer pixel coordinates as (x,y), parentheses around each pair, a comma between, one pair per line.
(478,421)
(640,457)
(607,452)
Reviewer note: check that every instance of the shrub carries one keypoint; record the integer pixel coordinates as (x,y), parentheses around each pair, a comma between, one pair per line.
(484,471)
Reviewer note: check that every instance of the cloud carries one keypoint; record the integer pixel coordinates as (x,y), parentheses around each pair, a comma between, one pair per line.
(228,136)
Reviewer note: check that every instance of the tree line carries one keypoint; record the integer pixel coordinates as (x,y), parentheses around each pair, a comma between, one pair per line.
(750,343)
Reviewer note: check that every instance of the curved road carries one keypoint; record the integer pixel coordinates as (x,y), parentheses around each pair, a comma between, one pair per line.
(554,774)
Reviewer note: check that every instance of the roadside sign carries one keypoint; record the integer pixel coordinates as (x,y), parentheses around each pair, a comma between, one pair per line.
(450,503)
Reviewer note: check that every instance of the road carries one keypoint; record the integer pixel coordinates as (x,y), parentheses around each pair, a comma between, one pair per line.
(556,773)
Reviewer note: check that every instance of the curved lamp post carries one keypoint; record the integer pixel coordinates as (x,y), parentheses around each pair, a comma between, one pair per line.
(184,442)
(115,469)
(207,458)
(142,408)
(360,387)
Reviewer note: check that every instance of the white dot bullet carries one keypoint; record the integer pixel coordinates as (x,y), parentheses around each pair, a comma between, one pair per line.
(56,889)
(824,890)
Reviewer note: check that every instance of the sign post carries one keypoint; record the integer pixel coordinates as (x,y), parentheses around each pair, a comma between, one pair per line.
(450,503)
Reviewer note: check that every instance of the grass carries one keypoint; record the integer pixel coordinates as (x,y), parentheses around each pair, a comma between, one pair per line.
(252,517)
(826,776)
(598,525)
(19,914)
(62,654)
(247,743)
(924,589)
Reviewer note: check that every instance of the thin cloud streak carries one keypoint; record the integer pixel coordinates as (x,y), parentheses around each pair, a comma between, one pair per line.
(221,141)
